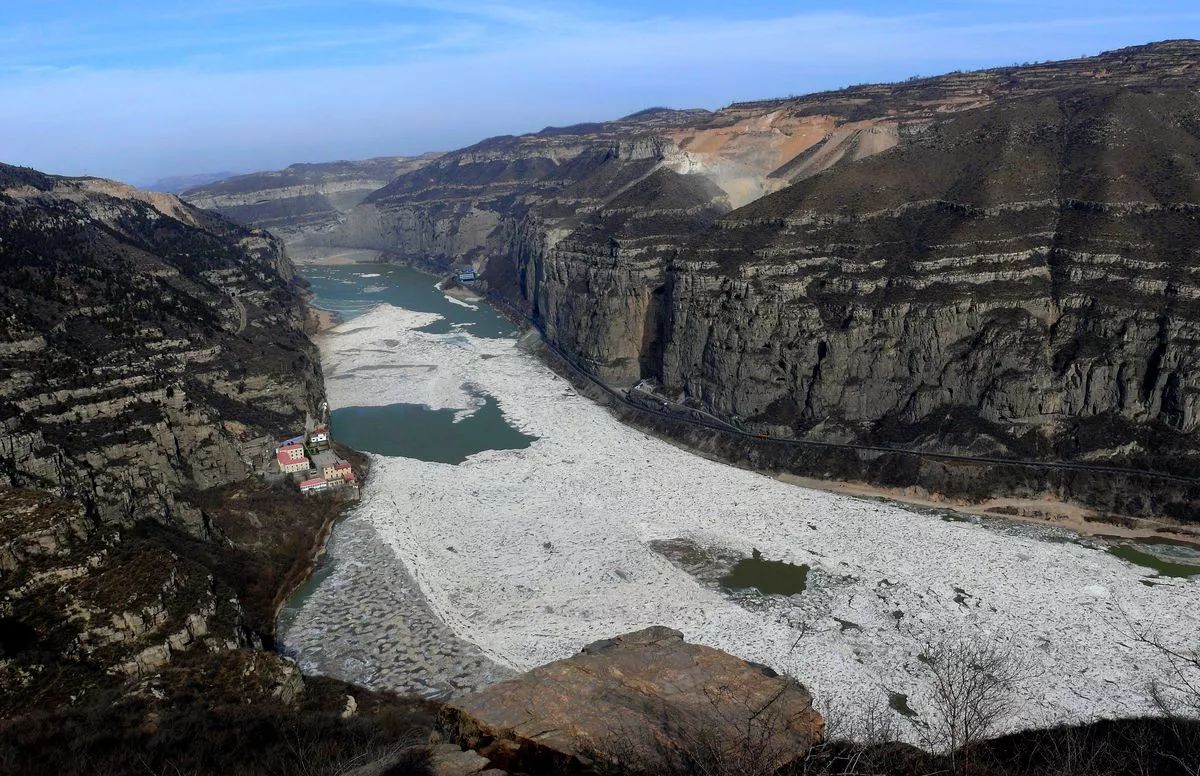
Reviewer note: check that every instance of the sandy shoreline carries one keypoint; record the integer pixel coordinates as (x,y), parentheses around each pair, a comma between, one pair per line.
(315,257)
(326,320)
(462,294)
(1057,514)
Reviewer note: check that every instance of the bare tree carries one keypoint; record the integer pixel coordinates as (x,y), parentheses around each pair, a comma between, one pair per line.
(974,691)
(860,738)
(1177,697)
(1178,693)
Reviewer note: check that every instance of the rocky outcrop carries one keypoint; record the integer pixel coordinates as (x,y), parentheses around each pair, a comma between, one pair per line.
(634,699)
(77,593)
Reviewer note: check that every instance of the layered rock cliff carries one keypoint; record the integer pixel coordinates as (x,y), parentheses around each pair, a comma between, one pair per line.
(150,353)
(1028,270)
(148,347)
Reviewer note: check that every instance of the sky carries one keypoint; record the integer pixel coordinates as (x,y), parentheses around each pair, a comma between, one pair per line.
(142,90)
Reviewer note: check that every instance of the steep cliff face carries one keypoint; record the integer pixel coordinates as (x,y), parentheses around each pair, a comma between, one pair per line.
(601,289)
(1021,279)
(147,348)
(149,351)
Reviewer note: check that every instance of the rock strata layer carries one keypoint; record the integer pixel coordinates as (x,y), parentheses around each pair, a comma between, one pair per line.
(148,347)
(150,355)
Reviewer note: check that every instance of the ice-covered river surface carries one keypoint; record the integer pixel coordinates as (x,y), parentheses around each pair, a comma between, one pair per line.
(513,558)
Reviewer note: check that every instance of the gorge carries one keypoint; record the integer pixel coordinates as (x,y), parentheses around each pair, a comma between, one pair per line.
(517,557)
(993,263)
(788,395)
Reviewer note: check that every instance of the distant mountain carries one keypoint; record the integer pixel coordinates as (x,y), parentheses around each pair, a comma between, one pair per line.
(303,201)
(174,184)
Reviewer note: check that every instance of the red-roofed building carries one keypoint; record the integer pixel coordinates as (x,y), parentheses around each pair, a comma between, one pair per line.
(316,483)
(339,472)
(291,458)
(295,451)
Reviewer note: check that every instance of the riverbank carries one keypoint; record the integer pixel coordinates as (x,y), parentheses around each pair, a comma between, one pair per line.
(1047,511)
(1070,517)
(326,319)
(309,256)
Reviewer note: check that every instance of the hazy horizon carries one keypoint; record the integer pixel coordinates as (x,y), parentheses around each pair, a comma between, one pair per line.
(140,94)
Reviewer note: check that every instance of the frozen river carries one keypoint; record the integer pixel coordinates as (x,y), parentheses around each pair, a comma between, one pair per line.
(456,570)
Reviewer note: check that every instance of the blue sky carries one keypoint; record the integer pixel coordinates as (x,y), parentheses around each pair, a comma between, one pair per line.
(139,90)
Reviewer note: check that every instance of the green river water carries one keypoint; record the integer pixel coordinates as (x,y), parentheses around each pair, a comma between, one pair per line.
(414,430)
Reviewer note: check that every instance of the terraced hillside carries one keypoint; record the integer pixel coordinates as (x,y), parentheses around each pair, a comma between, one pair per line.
(149,351)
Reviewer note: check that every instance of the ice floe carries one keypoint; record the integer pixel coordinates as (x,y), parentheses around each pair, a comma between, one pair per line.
(531,553)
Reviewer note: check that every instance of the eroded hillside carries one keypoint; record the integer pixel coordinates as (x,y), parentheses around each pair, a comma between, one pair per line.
(150,352)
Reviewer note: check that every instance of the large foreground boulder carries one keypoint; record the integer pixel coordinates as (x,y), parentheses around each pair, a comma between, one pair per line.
(646,700)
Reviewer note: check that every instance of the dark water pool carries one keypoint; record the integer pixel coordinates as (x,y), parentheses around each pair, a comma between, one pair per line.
(416,431)
(770,577)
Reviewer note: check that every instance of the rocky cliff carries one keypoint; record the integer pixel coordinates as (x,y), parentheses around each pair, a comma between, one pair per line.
(148,347)
(150,352)
(1020,280)
(645,702)
(994,263)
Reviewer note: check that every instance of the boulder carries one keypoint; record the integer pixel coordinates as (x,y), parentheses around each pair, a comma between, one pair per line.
(642,699)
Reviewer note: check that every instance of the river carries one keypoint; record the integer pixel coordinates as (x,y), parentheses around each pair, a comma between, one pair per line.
(508,521)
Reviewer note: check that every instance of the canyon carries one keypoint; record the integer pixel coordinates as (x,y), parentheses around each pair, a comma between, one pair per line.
(994,263)
(997,265)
